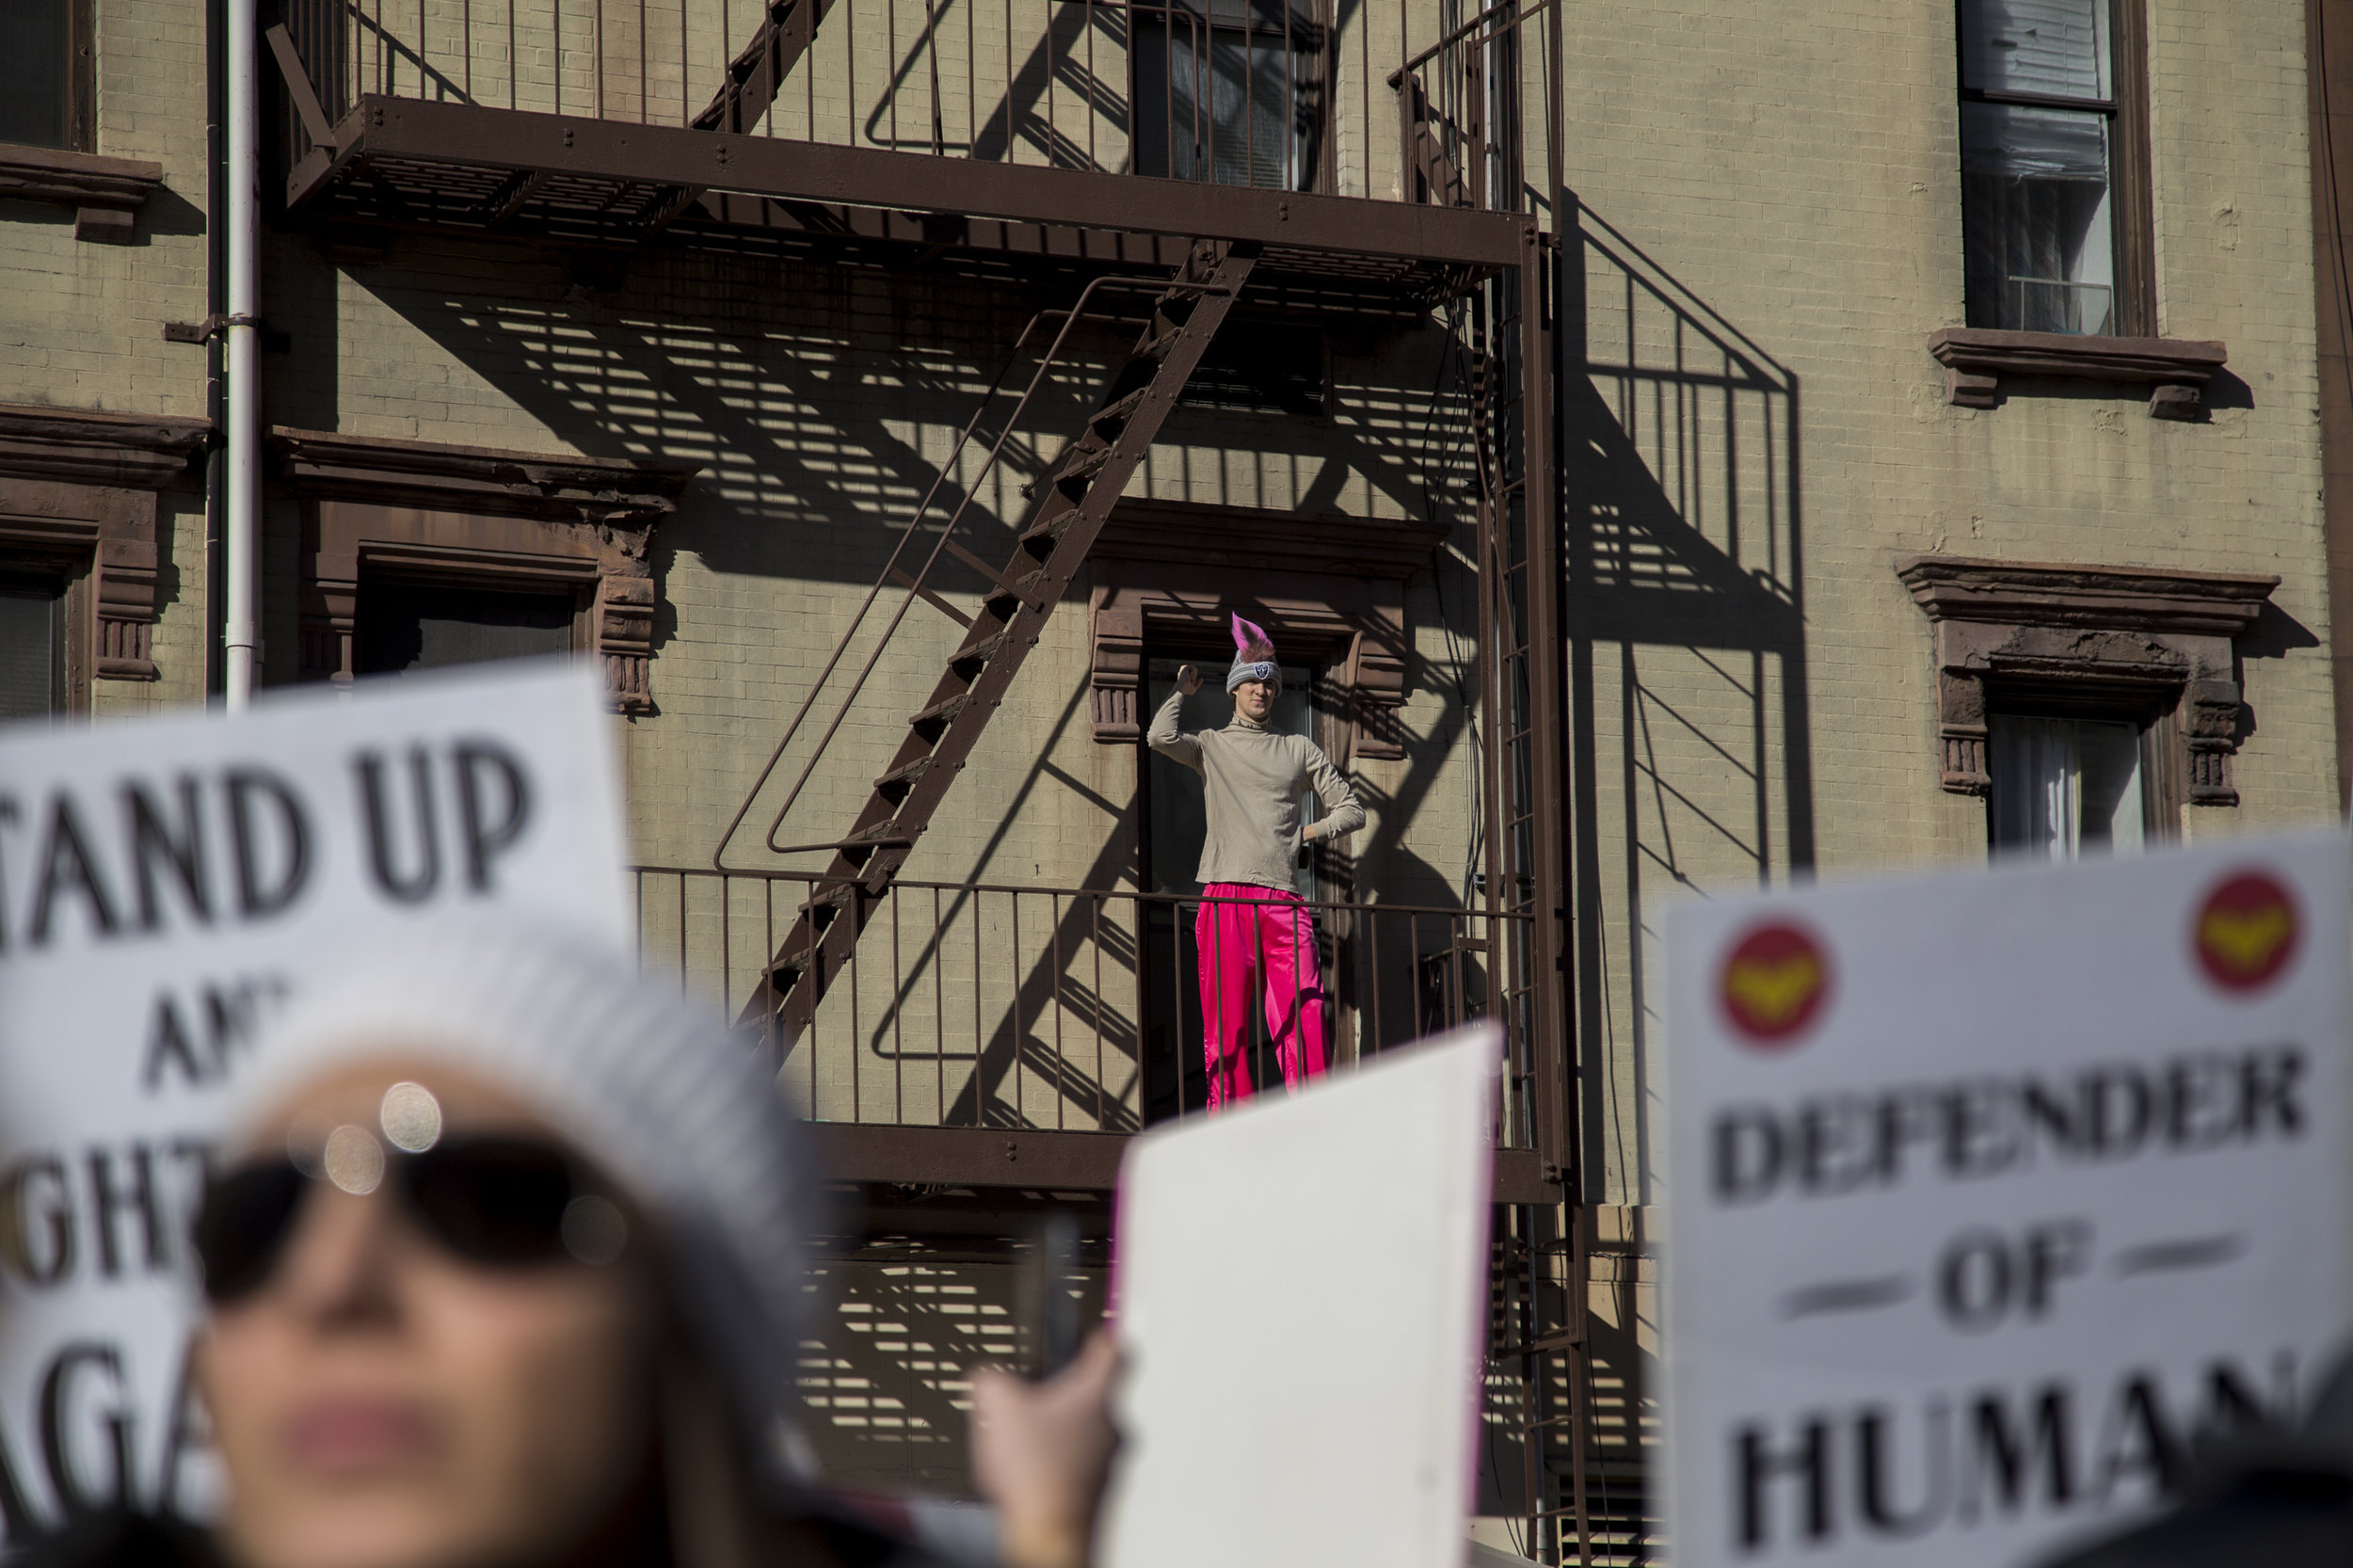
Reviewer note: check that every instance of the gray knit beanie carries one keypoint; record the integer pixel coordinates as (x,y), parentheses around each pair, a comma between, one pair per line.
(1254,655)
(659,1095)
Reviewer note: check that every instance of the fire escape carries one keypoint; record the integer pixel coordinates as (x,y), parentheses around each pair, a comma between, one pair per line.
(1393,182)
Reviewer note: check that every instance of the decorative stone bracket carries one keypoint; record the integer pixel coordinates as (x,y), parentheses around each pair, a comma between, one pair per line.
(1328,590)
(105,193)
(1977,359)
(2120,640)
(480,518)
(77,495)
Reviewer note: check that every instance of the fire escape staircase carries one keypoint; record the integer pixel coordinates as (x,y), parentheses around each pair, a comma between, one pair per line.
(1078,492)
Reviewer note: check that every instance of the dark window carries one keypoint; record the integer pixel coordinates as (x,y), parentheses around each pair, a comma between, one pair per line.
(32,648)
(37,71)
(1227,91)
(410,626)
(1260,368)
(2046,182)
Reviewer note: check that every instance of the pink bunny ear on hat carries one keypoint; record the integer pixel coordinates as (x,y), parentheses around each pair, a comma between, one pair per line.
(1247,633)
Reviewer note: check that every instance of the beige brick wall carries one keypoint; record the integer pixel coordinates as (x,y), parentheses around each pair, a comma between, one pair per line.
(81,324)
(1797,178)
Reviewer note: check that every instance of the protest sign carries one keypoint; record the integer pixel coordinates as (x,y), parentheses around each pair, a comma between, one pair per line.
(165,884)
(1992,1191)
(1299,1285)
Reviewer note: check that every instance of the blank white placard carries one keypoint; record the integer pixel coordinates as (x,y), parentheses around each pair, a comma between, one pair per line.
(1299,1287)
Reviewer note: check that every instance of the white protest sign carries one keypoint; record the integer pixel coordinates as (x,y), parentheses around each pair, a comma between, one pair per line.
(1269,1418)
(1991,1190)
(164,885)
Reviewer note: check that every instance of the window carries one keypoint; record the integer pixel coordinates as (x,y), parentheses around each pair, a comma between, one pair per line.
(1227,91)
(409,626)
(2063,787)
(42,99)
(1260,368)
(32,648)
(2052,211)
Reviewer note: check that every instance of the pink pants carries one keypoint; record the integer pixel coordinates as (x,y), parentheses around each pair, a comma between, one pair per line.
(1273,936)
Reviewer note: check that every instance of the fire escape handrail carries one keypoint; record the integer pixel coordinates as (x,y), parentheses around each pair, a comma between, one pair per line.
(916,585)
(1522,12)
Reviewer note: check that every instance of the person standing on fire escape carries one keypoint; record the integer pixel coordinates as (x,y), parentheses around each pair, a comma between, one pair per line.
(1253,922)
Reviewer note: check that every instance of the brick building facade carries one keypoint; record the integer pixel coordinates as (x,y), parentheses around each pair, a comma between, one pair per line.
(1816,528)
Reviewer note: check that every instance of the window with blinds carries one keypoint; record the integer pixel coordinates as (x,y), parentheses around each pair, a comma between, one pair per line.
(2038,154)
(32,648)
(1226,92)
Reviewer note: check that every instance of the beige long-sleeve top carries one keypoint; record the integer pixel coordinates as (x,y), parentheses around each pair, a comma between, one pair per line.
(1251,779)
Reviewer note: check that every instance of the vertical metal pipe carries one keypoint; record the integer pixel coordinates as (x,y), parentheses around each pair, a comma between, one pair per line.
(1014,900)
(1095,941)
(898,1045)
(940,1014)
(1053,991)
(239,639)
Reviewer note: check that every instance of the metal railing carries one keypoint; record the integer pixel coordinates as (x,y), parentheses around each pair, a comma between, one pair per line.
(974,1004)
(1291,94)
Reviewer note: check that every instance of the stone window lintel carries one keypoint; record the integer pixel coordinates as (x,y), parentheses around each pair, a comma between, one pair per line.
(484,516)
(2126,637)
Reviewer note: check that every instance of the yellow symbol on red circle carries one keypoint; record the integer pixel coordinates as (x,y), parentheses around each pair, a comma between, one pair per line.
(2247,931)
(1774,982)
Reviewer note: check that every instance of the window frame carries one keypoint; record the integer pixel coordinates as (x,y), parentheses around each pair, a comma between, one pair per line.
(2133,308)
(56,578)
(482,517)
(81,83)
(2164,784)
(2091,642)
(1305,31)
(577,587)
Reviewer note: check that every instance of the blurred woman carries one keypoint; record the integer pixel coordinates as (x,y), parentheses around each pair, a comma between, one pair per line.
(503,1270)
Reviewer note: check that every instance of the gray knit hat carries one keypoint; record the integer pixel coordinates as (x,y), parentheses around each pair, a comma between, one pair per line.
(661,1096)
(1254,655)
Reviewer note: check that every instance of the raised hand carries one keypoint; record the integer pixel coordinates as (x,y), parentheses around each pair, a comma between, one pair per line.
(1188,680)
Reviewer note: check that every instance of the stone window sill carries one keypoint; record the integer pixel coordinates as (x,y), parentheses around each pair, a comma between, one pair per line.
(105,193)
(1978,361)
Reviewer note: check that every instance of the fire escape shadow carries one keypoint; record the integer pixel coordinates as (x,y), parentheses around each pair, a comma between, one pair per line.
(1684,592)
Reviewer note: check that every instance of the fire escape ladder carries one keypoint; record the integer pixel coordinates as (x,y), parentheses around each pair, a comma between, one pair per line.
(755,75)
(1078,493)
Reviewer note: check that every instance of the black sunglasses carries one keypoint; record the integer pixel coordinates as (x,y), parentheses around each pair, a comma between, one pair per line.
(495,1203)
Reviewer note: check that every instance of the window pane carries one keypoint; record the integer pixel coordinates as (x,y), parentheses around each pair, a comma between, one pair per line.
(1229,104)
(29,650)
(2052,46)
(406,627)
(2033,806)
(33,73)
(2064,787)
(2035,218)
(2107,763)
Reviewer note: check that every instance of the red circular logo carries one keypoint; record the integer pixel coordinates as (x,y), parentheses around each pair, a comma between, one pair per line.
(1775,984)
(2247,931)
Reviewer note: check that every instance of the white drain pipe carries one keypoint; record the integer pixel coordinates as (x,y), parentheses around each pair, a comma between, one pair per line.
(243,524)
